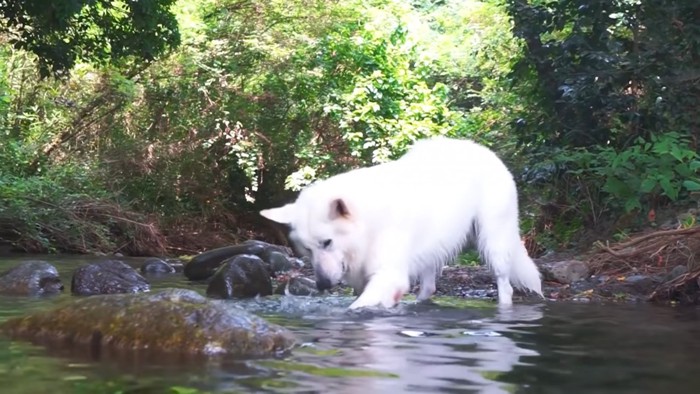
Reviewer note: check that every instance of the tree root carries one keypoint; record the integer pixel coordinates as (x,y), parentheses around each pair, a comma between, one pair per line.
(655,253)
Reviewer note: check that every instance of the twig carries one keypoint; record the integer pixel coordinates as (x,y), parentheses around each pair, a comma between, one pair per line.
(657,234)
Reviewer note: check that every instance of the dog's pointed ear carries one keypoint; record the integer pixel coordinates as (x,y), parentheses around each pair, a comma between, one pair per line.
(283,214)
(339,209)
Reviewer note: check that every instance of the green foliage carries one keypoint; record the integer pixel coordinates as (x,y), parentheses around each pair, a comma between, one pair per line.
(469,258)
(665,165)
(606,72)
(61,33)
(264,97)
(641,176)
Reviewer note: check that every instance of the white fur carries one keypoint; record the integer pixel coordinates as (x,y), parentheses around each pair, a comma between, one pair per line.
(402,221)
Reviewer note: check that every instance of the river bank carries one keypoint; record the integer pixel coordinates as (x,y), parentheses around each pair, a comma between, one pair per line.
(654,265)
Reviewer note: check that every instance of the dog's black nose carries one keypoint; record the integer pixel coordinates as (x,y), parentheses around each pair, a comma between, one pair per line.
(323,284)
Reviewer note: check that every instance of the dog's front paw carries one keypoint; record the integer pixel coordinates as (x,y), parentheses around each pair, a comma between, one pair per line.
(386,299)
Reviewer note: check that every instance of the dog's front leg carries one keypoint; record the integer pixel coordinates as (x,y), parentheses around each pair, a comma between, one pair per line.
(387,273)
(385,288)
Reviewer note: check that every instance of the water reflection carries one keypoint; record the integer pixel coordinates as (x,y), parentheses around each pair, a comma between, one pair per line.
(445,358)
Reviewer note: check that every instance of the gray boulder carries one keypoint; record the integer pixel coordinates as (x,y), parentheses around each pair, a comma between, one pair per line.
(107,277)
(170,321)
(31,278)
(243,276)
(205,264)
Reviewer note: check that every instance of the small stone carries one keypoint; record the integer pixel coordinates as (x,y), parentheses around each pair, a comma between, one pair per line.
(155,265)
(481,333)
(636,278)
(297,286)
(413,334)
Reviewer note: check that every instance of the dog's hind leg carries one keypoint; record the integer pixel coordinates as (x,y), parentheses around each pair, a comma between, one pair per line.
(496,239)
(427,284)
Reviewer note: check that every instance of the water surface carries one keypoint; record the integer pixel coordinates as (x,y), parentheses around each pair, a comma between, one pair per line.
(535,348)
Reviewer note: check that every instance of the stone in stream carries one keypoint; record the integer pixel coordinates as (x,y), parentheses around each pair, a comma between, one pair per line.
(31,278)
(205,264)
(169,321)
(242,276)
(155,265)
(107,277)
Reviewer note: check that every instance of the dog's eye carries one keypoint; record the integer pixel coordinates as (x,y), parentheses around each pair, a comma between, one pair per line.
(325,244)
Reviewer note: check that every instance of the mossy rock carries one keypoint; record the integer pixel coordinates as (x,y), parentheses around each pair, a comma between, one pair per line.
(169,321)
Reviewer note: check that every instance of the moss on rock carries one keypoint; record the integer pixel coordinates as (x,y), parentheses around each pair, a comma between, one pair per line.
(168,321)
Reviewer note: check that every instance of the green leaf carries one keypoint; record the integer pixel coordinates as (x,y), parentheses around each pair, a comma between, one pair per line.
(631,204)
(669,190)
(647,185)
(691,185)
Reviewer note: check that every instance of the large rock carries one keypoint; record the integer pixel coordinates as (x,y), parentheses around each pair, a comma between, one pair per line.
(205,264)
(170,321)
(566,271)
(243,276)
(31,278)
(107,277)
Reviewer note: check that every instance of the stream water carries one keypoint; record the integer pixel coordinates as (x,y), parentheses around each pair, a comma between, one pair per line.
(534,348)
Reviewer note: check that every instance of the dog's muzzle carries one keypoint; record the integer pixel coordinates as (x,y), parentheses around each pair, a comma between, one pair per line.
(323,283)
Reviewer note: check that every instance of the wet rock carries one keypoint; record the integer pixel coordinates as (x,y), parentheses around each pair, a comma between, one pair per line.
(206,263)
(31,278)
(298,286)
(565,272)
(676,272)
(277,262)
(642,283)
(155,265)
(243,276)
(165,322)
(107,277)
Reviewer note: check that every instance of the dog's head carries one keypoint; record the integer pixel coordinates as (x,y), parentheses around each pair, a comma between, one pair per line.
(323,231)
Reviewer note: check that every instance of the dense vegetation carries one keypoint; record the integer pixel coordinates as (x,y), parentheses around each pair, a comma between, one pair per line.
(142,126)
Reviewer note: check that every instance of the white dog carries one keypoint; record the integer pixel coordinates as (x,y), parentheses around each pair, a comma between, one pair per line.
(382,226)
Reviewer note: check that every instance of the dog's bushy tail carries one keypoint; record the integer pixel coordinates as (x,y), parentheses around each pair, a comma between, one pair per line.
(524,274)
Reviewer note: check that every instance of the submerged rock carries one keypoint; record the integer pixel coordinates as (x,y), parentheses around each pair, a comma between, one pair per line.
(107,277)
(33,277)
(168,321)
(205,264)
(243,276)
(155,265)
(176,263)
